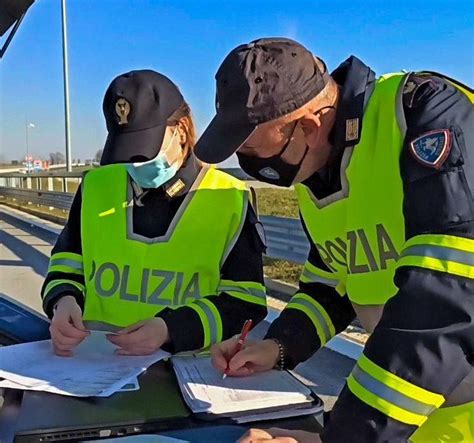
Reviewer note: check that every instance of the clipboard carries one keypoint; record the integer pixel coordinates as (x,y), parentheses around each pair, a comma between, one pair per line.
(313,405)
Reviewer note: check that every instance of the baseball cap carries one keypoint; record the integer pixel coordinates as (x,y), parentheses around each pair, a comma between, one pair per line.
(136,107)
(258,82)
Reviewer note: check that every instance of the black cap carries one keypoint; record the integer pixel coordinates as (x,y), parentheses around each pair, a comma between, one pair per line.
(136,107)
(256,83)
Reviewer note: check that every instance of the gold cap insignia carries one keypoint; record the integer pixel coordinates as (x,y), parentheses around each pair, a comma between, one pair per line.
(122,108)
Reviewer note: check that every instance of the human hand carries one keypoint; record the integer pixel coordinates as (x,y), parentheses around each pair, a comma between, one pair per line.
(67,329)
(255,356)
(277,435)
(142,338)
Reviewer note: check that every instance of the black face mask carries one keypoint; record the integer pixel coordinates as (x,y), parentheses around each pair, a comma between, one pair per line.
(274,169)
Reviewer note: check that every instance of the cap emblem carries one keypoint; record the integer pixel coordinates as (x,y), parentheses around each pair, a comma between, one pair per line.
(122,109)
(269,173)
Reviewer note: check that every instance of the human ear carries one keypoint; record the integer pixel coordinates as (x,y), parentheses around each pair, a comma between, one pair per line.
(311,126)
(183,136)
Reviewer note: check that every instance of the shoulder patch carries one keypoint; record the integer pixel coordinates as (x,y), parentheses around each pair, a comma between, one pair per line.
(432,148)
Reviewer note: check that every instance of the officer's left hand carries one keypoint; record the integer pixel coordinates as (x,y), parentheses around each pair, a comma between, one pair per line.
(142,338)
(277,435)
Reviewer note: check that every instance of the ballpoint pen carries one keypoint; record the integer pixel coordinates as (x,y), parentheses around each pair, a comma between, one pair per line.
(243,336)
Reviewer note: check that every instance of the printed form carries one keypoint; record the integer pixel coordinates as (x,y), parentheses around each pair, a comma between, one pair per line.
(93,371)
(205,391)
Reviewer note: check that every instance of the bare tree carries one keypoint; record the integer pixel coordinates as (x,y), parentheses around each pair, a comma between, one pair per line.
(98,155)
(56,158)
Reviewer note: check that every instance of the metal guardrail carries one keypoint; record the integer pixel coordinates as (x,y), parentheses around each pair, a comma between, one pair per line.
(59,200)
(286,239)
(236,172)
(39,181)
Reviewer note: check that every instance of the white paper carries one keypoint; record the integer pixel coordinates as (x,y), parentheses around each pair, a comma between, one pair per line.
(205,391)
(7,384)
(131,385)
(94,370)
(278,415)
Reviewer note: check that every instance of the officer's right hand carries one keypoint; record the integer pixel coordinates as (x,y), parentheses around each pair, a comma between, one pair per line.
(256,356)
(67,329)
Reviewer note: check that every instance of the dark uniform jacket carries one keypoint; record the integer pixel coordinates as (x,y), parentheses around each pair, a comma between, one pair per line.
(426,333)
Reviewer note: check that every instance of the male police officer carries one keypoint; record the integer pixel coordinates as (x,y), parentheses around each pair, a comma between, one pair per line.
(384,173)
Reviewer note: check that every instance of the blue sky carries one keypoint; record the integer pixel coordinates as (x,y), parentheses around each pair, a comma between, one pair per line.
(187,40)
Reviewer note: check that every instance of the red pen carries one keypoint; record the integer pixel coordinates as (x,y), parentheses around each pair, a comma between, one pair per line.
(243,336)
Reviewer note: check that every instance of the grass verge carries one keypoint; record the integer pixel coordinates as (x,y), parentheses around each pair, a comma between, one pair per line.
(278,202)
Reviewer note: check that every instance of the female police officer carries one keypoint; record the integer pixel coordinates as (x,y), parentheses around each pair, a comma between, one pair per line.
(158,246)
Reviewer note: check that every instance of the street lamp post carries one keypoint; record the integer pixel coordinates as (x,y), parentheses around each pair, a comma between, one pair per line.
(66,87)
(27,128)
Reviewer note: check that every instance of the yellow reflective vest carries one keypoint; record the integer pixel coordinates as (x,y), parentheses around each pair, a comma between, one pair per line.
(358,241)
(129,277)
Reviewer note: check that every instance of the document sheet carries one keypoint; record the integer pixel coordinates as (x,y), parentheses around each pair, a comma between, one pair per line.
(204,390)
(93,371)
(131,385)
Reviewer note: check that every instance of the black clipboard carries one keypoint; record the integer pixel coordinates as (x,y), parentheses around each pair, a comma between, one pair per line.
(314,407)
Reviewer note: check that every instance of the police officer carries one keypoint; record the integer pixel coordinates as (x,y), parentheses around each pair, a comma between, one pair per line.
(157,246)
(384,173)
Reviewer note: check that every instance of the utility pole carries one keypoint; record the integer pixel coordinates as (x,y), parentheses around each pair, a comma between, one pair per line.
(66,88)
(27,130)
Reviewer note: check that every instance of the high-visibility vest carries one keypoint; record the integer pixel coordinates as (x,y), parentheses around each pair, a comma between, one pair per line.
(360,235)
(359,232)
(129,277)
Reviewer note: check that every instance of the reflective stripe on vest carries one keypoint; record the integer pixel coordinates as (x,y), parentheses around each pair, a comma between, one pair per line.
(391,394)
(312,274)
(210,319)
(251,292)
(68,262)
(47,293)
(316,313)
(444,253)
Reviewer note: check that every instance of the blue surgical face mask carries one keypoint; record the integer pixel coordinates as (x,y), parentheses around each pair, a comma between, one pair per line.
(154,173)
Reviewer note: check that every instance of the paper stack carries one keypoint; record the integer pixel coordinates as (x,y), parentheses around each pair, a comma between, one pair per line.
(204,390)
(93,371)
